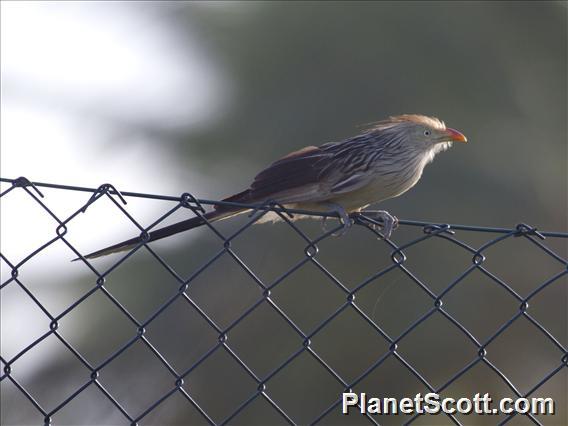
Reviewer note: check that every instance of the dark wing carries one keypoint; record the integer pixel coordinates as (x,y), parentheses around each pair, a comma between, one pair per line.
(310,174)
(297,169)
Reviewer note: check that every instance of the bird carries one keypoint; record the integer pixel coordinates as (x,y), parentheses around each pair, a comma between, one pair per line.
(345,177)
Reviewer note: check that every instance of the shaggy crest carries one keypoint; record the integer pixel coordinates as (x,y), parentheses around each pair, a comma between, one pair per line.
(433,122)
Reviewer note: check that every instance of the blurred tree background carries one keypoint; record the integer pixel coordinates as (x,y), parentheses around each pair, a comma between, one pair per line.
(285,75)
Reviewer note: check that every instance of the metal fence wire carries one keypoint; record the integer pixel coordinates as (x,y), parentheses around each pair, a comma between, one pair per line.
(158,366)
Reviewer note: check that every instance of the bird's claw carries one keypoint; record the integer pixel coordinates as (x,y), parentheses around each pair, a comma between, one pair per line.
(389,222)
(344,218)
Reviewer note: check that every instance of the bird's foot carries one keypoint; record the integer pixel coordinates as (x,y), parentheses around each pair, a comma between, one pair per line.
(344,218)
(389,222)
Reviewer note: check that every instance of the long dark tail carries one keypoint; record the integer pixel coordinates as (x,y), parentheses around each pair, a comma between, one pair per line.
(164,232)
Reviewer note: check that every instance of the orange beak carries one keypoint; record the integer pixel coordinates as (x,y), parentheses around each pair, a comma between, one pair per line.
(456,136)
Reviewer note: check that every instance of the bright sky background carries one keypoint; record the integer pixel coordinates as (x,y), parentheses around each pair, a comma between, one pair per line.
(78,82)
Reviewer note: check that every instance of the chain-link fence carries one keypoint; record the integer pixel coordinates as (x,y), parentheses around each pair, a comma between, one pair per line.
(270,324)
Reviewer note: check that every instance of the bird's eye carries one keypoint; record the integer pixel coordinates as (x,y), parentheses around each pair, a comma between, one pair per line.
(426,132)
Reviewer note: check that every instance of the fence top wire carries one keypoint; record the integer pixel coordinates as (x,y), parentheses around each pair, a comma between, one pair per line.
(23,182)
(398,258)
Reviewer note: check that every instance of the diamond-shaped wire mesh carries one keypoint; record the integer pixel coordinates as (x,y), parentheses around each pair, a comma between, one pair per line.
(269,325)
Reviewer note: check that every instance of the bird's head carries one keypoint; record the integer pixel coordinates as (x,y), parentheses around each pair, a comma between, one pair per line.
(421,132)
(417,138)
